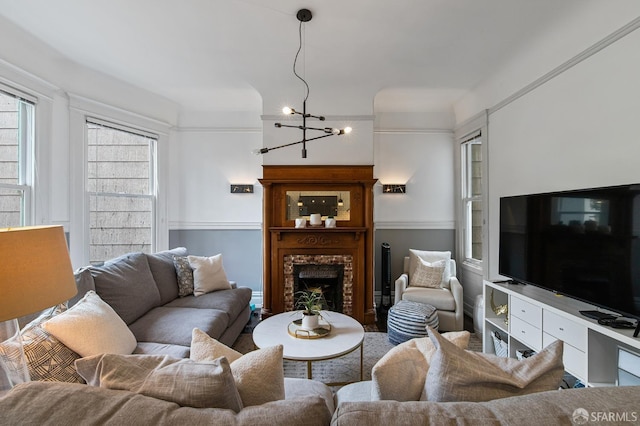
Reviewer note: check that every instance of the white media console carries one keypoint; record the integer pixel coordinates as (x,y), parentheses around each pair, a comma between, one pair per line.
(537,317)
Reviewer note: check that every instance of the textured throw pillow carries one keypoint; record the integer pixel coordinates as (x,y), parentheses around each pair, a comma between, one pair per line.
(259,374)
(184,274)
(206,348)
(47,358)
(183,381)
(459,375)
(127,285)
(91,327)
(428,274)
(208,274)
(401,373)
(430,256)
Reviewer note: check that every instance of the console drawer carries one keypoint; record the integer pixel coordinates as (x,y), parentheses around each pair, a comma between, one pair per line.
(526,311)
(566,330)
(575,360)
(526,333)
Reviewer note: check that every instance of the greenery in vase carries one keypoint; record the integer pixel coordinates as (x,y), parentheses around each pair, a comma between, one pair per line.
(310,301)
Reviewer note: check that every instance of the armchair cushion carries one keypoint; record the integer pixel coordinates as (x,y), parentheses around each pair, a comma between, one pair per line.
(440,298)
(430,257)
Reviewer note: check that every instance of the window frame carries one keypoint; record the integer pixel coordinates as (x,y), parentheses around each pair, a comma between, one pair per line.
(468,197)
(81,108)
(26,148)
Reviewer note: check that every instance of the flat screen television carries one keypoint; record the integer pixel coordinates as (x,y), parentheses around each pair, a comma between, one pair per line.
(583,244)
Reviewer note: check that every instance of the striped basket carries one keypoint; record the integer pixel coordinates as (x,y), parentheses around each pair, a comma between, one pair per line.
(408,320)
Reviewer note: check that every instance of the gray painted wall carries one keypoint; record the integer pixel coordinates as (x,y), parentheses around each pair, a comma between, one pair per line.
(401,240)
(241,251)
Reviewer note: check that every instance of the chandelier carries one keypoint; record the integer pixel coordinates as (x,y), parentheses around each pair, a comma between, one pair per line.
(303,15)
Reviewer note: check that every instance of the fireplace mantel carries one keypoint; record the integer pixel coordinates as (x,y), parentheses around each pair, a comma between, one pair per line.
(350,239)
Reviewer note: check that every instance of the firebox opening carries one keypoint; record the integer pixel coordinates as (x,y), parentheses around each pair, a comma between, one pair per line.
(328,278)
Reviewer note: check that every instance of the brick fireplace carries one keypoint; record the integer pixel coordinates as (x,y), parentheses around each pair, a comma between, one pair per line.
(343,253)
(333,274)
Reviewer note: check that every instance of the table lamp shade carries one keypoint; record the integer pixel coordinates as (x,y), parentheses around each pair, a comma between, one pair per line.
(35,270)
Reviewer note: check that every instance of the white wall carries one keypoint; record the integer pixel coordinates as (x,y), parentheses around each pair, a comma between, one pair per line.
(203,164)
(577,127)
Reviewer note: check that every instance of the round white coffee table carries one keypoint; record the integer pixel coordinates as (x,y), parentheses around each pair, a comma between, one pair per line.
(346,336)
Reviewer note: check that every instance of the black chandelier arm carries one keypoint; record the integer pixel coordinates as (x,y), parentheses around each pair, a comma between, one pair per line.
(265,150)
(323,129)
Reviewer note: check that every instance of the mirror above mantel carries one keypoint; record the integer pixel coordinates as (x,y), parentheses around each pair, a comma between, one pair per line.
(336,204)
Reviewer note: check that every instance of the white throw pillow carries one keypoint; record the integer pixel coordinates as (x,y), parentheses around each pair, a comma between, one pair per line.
(208,274)
(92,327)
(430,256)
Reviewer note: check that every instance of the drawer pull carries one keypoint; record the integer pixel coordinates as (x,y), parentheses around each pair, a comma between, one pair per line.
(561,329)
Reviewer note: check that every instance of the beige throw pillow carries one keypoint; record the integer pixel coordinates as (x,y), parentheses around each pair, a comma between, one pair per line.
(459,375)
(259,374)
(431,257)
(187,383)
(208,274)
(428,274)
(91,327)
(206,348)
(401,373)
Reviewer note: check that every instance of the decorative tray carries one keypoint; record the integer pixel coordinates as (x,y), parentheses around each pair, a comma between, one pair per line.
(295,329)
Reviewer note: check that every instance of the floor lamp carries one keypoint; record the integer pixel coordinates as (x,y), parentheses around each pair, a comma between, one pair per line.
(35,274)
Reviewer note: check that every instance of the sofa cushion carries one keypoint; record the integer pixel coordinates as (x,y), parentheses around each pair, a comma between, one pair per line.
(91,327)
(401,373)
(36,403)
(233,301)
(208,274)
(183,381)
(174,325)
(164,273)
(127,285)
(459,375)
(184,275)
(152,348)
(259,374)
(84,283)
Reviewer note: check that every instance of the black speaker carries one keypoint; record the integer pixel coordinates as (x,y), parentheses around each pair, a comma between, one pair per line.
(386,277)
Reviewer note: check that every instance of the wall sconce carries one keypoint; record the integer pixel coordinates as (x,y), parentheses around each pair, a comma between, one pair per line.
(242,189)
(394,189)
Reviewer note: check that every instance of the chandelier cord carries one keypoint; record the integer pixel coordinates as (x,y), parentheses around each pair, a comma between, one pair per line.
(296,60)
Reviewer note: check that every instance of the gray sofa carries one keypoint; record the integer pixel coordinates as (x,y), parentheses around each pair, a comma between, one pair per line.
(143,290)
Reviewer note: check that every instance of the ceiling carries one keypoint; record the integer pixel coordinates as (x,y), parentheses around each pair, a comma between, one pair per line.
(238,54)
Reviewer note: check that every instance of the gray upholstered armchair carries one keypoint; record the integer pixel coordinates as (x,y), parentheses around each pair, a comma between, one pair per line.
(445,296)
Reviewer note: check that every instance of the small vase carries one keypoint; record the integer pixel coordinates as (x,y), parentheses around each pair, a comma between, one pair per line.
(309,321)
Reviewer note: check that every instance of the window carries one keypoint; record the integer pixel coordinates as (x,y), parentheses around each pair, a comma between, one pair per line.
(122,190)
(472,198)
(16,144)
